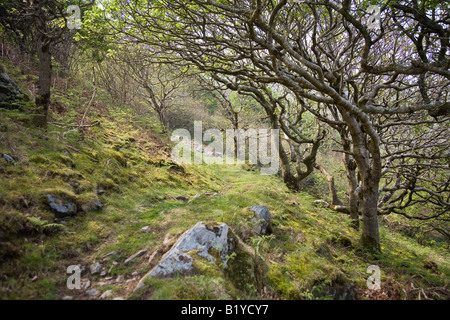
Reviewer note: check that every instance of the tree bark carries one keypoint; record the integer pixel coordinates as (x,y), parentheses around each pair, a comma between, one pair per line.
(288,178)
(331,186)
(350,167)
(292,150)
(159,108)
(366,151)
(45,73)
(369,210)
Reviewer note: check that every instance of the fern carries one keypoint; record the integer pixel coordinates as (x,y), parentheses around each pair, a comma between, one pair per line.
(53,228)
(43,226)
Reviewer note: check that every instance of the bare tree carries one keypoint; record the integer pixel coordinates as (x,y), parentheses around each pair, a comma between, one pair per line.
(45,14)
(137,74)
(328,55)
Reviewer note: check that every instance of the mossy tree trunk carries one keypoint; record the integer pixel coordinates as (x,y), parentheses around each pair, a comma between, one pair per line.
(331,186)
(366,152)
(45,66)
(350,167)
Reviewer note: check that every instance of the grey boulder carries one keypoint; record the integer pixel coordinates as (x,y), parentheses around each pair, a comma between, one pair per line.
(95,268)
(263,225)
(92,292)
(60,209)
(199,240)
(9,92)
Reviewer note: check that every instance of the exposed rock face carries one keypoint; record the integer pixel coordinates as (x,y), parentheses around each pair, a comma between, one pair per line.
(175,262)
(212,242)
(9,92)
(263,219)
(201,238)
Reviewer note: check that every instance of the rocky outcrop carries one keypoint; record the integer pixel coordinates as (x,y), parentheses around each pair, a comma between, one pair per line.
(200,238)
(204,243)
(60,209)
(9,92)
(63,210)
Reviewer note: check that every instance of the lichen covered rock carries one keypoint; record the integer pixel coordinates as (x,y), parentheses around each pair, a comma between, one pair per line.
(208,249)
(263,223)
(9,92)
(200,238)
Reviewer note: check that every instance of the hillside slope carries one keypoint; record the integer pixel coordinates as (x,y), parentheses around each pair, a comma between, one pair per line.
(123,187)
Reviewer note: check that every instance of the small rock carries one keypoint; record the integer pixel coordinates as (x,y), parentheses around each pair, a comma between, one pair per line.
(74,184)
(103,273)
(162,212)
(197,196)
(182,198)
(92,292)
(67,298)
(136,255)
(95,268)
(85,284)
(119,278)
(106,294)
(322,203)
(118,298)
(8,159)
(98,205)
(134,274)
(61,210)
(216,195)
(263,219)
(145,229)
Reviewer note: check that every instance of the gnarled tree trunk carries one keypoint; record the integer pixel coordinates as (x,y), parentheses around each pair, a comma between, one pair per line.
(331,186)
(350,168)
(366,152)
